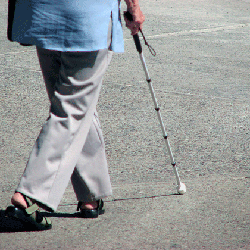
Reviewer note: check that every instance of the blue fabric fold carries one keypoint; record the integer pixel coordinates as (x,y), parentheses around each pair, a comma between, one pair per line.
(68,25)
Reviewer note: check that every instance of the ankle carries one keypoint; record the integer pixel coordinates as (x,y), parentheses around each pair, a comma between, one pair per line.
(89,205)
(18,200)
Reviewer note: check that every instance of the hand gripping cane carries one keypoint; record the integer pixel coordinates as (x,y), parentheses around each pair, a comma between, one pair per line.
(181,187)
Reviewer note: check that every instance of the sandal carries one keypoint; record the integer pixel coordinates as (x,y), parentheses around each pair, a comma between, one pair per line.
(29,215)
(91,213)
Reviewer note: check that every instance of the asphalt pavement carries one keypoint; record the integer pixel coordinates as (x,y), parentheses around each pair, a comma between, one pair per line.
(201,80)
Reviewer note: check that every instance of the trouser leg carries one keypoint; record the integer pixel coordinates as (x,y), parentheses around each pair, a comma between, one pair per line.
(90,178)
(59,147)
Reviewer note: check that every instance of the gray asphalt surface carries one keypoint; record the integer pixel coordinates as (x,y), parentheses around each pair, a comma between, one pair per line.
(201,80)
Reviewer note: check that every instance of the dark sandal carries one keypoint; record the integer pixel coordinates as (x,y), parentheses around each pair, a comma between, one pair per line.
(91,213)
(29,215)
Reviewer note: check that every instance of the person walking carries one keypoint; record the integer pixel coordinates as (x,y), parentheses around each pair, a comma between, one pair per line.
(74,42)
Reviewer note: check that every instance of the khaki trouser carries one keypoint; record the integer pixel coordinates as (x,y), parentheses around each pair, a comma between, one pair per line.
(70,144)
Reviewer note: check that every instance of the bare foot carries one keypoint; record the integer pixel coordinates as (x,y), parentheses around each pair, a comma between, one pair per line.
(18,200)
(89,205)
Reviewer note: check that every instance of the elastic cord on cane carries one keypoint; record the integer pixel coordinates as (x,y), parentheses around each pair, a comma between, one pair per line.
(151,49)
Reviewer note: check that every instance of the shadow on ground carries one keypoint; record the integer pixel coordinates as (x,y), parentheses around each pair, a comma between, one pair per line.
(8,224)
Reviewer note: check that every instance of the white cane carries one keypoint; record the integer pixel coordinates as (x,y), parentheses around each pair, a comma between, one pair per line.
(181,187)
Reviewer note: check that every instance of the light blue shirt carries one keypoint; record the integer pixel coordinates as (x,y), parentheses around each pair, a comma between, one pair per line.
(68,25)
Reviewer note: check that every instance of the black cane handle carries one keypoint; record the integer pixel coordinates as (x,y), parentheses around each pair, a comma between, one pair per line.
(137,43)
